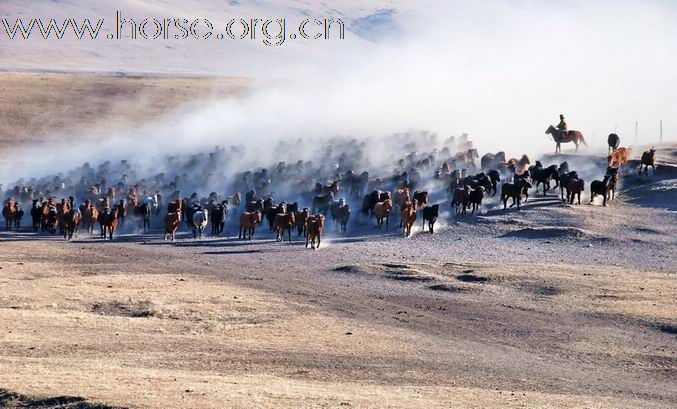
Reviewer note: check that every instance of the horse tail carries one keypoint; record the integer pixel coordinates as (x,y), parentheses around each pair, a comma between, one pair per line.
(583,140)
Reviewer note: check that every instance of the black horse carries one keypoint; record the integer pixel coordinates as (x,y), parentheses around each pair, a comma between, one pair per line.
(614,142)
(142,213)
(218,217)
(36,214)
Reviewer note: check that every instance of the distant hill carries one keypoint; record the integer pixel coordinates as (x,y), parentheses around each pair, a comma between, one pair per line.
(212,56)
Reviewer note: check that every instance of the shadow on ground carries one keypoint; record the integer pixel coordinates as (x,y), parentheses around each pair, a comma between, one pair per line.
(11,400)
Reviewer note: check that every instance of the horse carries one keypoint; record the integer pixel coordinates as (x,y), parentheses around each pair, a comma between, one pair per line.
(518,165)
(358,185)
(430,215)
(620,156)
(314,227)
(408,217)
(648,159)
(400,198)
(200,220)
(235,203)
(340,214)
(142,213)
(72,221)
(382,212)
(515,191)
(282,222)
(475,197)
(109,222)
(89,218)
(36,214)
(561,137)
(565,179)
(50,217)
(10,213)
(461,199)
(172,221)
(544,176)
(601,187)
(333,188)
(613,141)
(494,178)
(218,215)
(301,221)
(248,222)
(491,160)
(272,211)
(421,198)
(254,206)
(575,187)
(322,203)
(467,158)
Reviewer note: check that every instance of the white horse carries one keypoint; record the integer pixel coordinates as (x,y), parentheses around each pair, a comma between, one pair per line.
(199,223)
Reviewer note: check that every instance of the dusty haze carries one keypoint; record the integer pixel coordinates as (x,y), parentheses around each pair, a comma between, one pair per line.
(500,70)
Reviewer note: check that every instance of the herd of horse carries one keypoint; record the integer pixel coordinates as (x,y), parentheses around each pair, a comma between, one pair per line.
(327,191)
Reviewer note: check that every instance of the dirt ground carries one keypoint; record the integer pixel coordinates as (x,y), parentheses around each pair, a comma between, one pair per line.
(554,306)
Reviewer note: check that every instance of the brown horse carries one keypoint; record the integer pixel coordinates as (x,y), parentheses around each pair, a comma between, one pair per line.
(408,217)
(71,223)
(284,222)
(248,222)
(9,212)
(314,227)
(172,221)
(90,217)
(565,137)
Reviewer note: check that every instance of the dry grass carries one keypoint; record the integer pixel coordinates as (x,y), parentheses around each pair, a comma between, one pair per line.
(36,106)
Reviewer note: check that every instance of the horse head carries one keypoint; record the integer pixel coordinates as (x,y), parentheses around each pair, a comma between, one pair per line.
(551,130)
